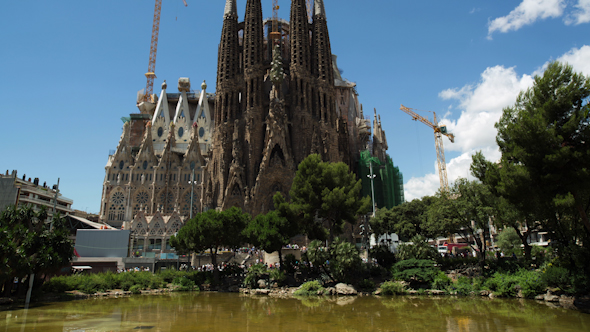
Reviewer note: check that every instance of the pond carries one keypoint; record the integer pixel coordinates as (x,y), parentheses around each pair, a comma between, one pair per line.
(233,312)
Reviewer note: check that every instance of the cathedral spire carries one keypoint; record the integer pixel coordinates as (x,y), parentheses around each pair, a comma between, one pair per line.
(230,8)
(300,47)
(318,8)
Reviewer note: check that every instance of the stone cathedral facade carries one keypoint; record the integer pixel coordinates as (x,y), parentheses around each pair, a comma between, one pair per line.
(277,100)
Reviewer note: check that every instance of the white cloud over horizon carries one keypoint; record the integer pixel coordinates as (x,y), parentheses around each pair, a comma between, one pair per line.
(530,11)
(526,13)
(481,107)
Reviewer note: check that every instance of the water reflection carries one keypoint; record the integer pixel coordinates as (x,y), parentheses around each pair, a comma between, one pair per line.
(233,312)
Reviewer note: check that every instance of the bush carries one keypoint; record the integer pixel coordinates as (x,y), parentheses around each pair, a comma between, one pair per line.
(135,289)
(278,276)
(185,284)
(290,264)
(441,281)
(366,285)
(255,273)
(58,284)
(310,288)
(415,271)
(393,288)
(555,276)
(463,286)
(383,256)
(419,249)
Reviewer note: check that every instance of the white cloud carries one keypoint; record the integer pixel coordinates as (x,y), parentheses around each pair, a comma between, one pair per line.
(578,58)
(527,13)
(581,14)
(481,106)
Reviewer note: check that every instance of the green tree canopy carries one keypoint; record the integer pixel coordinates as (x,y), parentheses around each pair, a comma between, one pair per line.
(328,194)
(405,220)
(544,139)
(27,245)
(212,230)
(270,232)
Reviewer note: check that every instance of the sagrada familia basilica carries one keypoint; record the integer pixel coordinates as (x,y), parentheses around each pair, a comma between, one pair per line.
(279,97)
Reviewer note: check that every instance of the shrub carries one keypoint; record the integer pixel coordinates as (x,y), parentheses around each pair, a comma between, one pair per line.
(463,286)
(555,276)
(135,289)
(383,256)
(419,249)
(393,288)
(309,288)
(415,271)
(441,281)
(58,284)
(255,273)
(531,283)
(278,276)
(366,285)
(185,284)
(290,264)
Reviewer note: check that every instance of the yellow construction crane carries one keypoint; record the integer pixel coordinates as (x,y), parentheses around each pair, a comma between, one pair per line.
(440,151)
(275,34)
(151,73)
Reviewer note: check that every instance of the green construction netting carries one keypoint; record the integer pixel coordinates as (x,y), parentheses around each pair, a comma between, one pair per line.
(388,181)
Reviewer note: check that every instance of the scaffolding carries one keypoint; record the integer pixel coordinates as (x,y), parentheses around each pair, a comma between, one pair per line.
(388,181)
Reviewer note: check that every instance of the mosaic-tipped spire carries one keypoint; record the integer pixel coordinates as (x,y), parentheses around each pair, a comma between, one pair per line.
(230,8)
(318,8)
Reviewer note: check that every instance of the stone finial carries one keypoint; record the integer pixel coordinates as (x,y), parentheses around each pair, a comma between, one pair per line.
(204,85)
(164,85)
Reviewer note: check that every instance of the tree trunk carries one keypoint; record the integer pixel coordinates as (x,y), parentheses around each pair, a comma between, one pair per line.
(281,260)
(523,238)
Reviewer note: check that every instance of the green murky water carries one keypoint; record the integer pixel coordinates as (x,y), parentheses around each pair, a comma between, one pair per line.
(232,312)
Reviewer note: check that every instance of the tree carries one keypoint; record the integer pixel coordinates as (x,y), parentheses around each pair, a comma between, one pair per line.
(28,246)
(328,194)
(508,241)
(515,206)
(465,210)
(546,135)
(270,232)
(211,230)
(405,220)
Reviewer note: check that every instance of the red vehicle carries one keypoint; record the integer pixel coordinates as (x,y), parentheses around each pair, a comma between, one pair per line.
(449,247)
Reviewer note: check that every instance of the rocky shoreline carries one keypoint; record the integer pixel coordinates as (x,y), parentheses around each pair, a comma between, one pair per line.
(551,298)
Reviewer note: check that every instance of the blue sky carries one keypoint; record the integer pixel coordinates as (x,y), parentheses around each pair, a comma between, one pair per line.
(71,69)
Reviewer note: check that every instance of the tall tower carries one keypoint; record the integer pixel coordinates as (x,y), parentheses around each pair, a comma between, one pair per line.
(253,96)
(302,109)
(322,70)
(227,106)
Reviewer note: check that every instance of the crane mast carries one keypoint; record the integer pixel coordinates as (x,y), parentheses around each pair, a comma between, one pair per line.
(151,73)
(439,131)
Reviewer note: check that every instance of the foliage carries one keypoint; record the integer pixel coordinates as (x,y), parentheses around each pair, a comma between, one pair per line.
(441,281)
(270,232)
(366,285)
(530,283)
(340,261)
(415,271)
(135,289)
(509,242)
(418,249)
(393,288)
(278,276)
(27,245)
(383,255)
(290,264)
(211,230)
(463,286)
(465,210)
(325,193)
(544,170)
(255,273)
(185,284)
(405,220)
(310,288)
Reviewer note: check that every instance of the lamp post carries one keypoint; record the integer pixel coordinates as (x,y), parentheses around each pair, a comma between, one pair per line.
(371,176)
